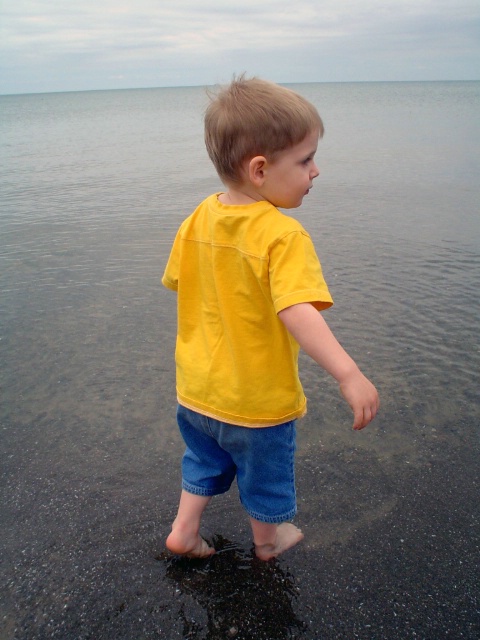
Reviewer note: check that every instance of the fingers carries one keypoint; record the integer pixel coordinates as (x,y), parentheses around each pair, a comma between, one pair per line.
(359,420)
(363,416)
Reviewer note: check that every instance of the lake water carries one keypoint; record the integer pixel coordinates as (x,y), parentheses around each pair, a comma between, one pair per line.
(93,188)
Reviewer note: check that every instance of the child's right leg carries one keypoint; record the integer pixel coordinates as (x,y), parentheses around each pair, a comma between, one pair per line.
(207,470)
(273,539)
(185,539)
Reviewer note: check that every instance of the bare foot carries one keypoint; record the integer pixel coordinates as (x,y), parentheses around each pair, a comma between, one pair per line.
(190,546)
(287,536)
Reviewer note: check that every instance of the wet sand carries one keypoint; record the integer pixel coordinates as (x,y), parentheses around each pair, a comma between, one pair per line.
(390,550)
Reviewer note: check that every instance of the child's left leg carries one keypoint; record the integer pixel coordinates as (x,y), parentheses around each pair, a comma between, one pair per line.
(185,538)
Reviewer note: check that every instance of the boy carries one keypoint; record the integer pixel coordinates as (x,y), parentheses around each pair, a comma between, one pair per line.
(250,288)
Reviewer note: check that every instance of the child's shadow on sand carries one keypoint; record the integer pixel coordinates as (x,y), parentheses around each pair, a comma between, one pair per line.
(243,597)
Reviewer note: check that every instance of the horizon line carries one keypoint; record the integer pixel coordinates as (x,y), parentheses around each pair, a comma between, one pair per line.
(198,86)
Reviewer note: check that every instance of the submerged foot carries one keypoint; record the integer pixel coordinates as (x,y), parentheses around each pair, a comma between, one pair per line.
(190,546)
(287,536)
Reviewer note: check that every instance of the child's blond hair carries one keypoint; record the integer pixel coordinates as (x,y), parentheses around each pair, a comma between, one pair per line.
(253,117)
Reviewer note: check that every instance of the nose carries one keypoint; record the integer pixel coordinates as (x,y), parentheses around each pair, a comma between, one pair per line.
(315,171)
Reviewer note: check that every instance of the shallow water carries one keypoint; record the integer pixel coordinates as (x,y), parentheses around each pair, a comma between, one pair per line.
(94,186)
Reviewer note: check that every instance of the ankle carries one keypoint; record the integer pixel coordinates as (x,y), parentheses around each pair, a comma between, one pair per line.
(264,533)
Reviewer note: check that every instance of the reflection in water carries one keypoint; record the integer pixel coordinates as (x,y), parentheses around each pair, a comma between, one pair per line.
(242,597)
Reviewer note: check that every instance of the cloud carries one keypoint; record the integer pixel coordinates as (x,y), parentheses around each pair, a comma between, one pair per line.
(55,45)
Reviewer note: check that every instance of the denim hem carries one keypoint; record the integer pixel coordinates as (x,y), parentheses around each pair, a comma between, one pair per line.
(201,491)
(289,515)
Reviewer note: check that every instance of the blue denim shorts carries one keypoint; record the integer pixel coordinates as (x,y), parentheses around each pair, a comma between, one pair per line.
(261,459)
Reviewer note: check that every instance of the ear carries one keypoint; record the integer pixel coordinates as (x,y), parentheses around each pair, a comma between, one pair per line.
(256,170)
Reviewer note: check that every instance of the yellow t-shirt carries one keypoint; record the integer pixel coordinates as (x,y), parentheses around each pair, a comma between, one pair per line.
(234,268)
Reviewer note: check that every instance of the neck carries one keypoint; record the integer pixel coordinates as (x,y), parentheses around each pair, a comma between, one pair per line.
(238,197)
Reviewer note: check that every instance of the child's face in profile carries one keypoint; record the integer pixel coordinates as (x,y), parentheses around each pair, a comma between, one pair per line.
(290,177)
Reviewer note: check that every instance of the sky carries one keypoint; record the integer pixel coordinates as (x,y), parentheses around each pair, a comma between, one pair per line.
(78,45)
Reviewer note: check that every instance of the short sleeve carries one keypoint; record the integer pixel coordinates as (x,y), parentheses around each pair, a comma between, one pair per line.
(171,273)
(295,273)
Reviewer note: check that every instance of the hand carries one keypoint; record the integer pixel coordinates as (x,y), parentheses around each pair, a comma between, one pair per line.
(362,397)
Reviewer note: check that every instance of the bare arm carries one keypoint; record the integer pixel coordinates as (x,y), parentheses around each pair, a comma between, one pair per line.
(312,333)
